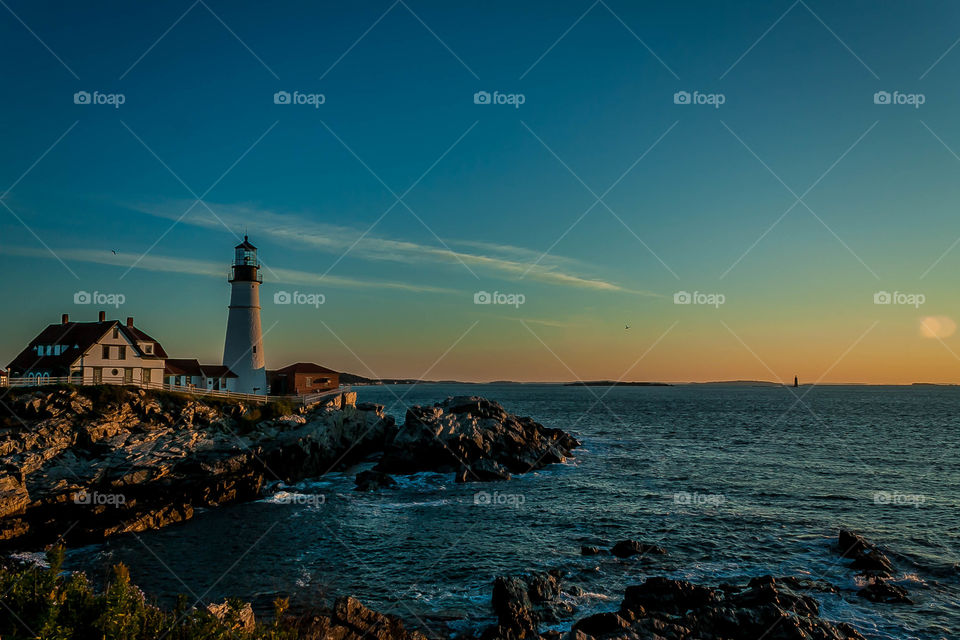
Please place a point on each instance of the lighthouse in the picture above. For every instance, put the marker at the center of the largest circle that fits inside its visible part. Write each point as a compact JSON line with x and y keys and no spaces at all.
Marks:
{"x":243,"y":349}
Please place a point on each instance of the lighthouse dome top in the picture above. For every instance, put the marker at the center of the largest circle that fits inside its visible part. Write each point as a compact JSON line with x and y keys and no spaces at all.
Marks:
{"x":246,"y":245}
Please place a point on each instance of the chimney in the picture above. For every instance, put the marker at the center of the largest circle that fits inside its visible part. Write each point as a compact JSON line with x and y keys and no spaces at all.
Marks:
{"x":103,"y":316}
{"x":64,"y":319}
{"x":129,"y":321}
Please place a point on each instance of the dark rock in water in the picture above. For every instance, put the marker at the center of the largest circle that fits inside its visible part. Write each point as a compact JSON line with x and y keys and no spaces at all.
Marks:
{"x":373,"y":480}
{"x":601,"y":624}
{"x":627,"y":548}
{"x":475,"y":438}
{"x":667,"y":596}
{"x":879,"y":590}
{"x":678,"y":610}
{"x":867,"y":557}
{"x":522,"y":603}
{"x":483,"y":471}
{"x":589,"y":551}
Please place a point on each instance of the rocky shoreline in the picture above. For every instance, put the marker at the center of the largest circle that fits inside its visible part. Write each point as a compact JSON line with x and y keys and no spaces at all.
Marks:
{"x":82,"y":464}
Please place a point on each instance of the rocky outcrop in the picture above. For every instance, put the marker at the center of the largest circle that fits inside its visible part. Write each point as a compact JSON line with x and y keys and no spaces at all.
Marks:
{"x":350,"y":620}
{"x":522,"y":603}
{"x":867,"y":557}
{"x":627,"y":548}
{"x":475,"y":438}
{"x":373,"y":480}
{"x":666,"y":609}
{"x":90,"y":462}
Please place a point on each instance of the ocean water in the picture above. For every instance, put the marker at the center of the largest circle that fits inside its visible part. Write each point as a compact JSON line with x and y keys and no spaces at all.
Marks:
{"x":734,"y":482}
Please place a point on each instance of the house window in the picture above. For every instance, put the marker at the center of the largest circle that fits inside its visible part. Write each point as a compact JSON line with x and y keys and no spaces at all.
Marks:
{"x":97,"y":375}
{"x":106,"y":352}
{"x":254,"y":348}
{"x":146,"y":375}
{"x":128,"y":374}
{"x":307,"y":382}
{"x":148,"y":348}
{"x":122,"y":351}
{"x":116,"y":332}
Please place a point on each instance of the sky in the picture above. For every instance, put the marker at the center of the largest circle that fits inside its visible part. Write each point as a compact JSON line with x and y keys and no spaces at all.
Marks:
{"x":495,"y":190}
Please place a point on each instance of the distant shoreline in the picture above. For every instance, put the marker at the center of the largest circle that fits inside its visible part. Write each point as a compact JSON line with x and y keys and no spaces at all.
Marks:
{"x":361,"y":381}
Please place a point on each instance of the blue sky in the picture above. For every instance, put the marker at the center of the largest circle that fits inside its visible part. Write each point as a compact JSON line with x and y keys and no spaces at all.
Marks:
{"x":499,"y":197}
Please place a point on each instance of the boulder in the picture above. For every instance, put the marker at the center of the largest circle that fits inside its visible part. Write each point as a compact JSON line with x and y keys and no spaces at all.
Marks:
{"x":879,"y":590}
{"x":474,"y":438}
{"x":589,"y":551}
{"x":373,"y":480}
{"x":627,"y":548}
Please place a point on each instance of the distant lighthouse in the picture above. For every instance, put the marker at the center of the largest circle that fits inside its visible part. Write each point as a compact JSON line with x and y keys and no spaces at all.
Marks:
{"x":243,"y":349}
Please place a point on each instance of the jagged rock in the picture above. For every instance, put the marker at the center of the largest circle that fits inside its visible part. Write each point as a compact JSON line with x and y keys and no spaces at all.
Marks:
{"x":627,"y":548}
{"x":235,"y":618}
{"x":602,"y":624}
{"x":475,"y":438}
{"x":353,"y":621}
{"x":373,"y":480}
{"x":867,"y":557}
{"x":667,"y":596}
{"x":879,"y":590}
{"x":164,"y":454}
{"x":589,"y":551}
{"x":521,"y":603}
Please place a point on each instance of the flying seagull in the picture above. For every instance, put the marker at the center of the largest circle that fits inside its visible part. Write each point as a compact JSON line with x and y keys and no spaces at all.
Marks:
{"x":114,"y":251}
{"x":626,"y":326}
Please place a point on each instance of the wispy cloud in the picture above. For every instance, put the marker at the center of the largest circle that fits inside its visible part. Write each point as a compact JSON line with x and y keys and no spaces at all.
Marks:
{"x":170,"y":264}
{"x":502,"y":260}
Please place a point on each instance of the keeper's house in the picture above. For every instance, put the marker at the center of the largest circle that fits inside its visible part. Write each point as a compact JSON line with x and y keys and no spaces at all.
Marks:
{"x":102,"y":352}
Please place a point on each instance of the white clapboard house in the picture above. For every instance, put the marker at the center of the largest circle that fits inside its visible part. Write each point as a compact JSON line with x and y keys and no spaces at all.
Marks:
{"x":102,"y":352}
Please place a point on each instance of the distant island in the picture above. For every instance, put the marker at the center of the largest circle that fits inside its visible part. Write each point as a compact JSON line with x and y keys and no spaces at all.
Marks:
{"x":614,"y":383}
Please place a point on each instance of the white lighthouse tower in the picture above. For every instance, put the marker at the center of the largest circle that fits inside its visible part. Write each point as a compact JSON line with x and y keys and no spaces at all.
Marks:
{"x":243,"y":349}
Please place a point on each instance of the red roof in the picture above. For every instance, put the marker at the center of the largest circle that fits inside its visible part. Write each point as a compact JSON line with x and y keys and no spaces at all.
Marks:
{"x":304,"y":367}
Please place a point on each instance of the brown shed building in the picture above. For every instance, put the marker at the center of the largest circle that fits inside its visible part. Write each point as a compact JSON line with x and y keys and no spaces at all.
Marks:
{"x":302,"y":378}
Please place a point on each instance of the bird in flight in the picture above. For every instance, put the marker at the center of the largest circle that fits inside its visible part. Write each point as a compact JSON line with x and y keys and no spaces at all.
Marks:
{"x":114,"y":251}
{"x":626,"y":326}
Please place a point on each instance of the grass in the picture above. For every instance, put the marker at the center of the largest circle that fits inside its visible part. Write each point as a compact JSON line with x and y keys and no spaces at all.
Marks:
{"x":48,"y":604}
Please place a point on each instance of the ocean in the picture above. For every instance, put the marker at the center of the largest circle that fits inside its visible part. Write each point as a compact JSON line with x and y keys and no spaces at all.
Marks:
{"x":734,"y":481}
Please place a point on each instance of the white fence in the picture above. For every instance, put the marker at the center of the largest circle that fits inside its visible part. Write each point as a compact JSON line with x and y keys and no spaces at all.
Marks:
{"x":304,"y":400}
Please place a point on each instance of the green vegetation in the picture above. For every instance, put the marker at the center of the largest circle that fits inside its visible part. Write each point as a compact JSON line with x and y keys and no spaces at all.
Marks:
{"x":48,"y":604}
